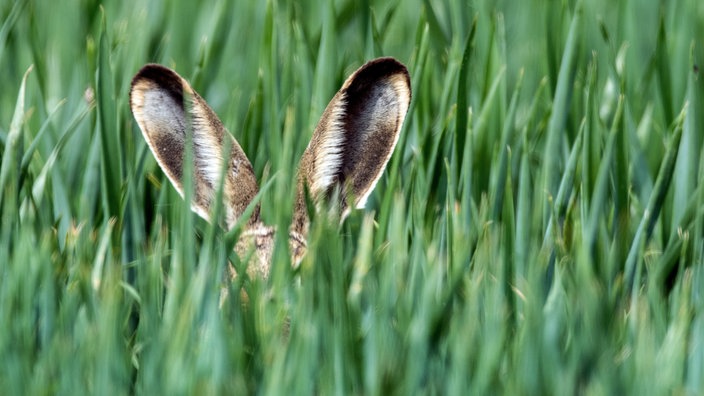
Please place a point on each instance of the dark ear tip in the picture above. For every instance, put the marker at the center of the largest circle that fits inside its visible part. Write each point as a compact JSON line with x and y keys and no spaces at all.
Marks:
{"x":388,"y":63}
{"x":159,"y":76}
{"x":376,"y":70}
{"x":154,"y":72}
{"x":383,"y":67}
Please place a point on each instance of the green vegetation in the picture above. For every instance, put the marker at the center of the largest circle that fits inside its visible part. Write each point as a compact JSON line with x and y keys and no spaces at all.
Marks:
{"x":539,"y":229}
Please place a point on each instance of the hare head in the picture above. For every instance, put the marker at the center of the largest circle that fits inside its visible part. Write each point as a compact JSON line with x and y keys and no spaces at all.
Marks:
{"x":347,"y":154}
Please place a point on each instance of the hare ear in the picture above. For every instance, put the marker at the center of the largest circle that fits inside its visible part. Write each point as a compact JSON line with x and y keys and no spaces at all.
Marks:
{"x":355,"y":137}
{"x":165,"y":107}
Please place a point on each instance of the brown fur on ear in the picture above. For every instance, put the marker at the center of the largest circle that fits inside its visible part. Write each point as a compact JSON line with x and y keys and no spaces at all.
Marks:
{"x":157,"y":101}
{"x":355,"y":137}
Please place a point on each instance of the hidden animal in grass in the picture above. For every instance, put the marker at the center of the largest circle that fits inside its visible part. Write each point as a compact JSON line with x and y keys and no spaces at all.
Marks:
{"x":347,"y":154}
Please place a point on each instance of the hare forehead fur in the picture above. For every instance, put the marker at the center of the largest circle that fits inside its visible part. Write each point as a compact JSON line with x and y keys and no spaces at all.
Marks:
{"x":258,"y":241}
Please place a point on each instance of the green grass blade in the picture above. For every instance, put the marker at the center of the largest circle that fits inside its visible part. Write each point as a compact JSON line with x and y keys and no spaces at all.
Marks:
{"x":9,"y":177}
{"x":601,"y":188}
{"x":111,"y":153}
{"x":499,"y":182}
{"x":462,"y":103}
{"x":558,"y":115}
{"x":655,"y":205}
{"x":9,"y":23}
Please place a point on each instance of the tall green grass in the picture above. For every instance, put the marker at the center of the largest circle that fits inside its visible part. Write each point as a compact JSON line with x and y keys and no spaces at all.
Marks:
{"x":538,"y":231}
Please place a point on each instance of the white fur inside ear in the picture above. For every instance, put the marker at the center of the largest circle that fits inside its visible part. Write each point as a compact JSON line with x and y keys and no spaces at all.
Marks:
{"x":207,"y":150}
{"x":329,"y":156}
{"x":155,"y":107}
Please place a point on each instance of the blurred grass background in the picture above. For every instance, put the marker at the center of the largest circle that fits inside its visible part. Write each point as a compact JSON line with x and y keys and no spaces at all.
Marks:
{"x":538,"y":231}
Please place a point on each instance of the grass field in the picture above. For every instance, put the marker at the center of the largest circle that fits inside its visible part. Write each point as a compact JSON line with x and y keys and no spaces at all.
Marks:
{"x":539,"y":229}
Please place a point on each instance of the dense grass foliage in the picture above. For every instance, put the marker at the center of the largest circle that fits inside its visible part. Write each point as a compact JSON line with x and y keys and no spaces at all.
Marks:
{"x":539,"y":229}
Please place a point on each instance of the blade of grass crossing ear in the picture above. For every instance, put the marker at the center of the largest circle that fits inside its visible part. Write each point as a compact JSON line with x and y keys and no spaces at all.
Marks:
{"x":233,"y":234}
{"x":217,"y":209}
{"x":185,"y":257}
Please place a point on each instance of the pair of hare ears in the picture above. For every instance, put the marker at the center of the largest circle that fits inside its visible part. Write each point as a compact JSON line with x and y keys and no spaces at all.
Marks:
{"x":349,"y":150}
